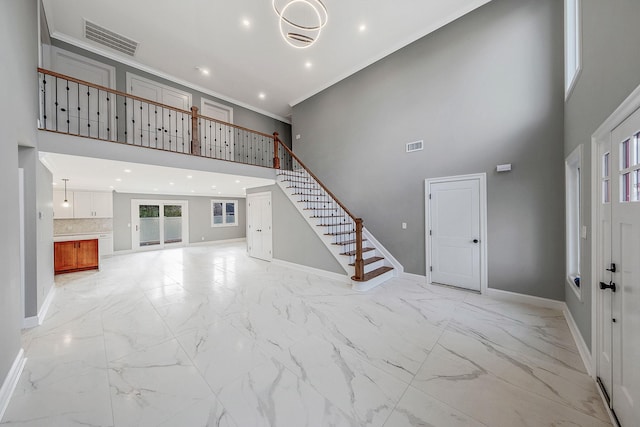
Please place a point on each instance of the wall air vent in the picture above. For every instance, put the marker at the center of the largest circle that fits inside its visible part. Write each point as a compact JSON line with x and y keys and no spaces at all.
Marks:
{"x":415,"y":146}
{"x":110,"y":39}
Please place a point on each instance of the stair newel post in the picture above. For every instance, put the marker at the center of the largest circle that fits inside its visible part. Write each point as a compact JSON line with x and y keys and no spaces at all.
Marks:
{"x":359,"y":264}
{"x":276,"y":157}
{"x":195,"y":134}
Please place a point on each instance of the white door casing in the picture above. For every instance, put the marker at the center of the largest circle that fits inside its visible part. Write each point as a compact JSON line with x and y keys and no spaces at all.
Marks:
{"x":456,"y":231}
{"x":217,"y":138}
{"x":259,"y":226}
{"x":136,"y":228}
{"x":149,"y":125}
{"x":615,"y":314}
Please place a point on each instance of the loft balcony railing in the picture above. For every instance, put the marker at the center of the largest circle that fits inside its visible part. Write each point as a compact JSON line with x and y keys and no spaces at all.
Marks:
{"x":75,"y":107}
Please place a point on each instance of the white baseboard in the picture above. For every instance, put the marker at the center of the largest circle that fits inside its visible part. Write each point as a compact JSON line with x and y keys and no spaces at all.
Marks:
{"x":499,"y":294}
{"x":218,"y":242}
{"x":33,"y":321}
{"x":583,"y":349}
{"x":416,"y":277}
{"x":11,"y":381}
{"x":322,"y":273}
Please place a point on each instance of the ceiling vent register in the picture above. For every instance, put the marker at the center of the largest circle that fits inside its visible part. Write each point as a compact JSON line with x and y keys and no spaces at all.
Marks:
{"x":415,"y":146}
{"x":109,"y":38}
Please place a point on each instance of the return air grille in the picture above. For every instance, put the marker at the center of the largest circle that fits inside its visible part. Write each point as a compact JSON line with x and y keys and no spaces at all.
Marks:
{"x":110,"y":39}
{"x":415,"y":146}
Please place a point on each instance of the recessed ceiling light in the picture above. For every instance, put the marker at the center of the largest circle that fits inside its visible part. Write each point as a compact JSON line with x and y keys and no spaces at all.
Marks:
{"x":189,"y":176}
{"x":111,"y":187}
{"x":193,"y":191}
{"x":203,"y":70}
{"x":171,"y":183}
{"x":246,"y":22}
{"x":308,"y":64}
{"x":127,"y":170}
{"x":262,"y":95}
{"x":237,"y":181}
{"x":244,"y":188}
{"x":219,"y":192}
{"x":118,"y":179}
{"x":213,"y":186}
{"x":54,"y":183}
{"x":362,"y":28}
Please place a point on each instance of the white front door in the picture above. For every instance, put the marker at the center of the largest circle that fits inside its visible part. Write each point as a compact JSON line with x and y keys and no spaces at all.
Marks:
{"x":454,"y":232}
{"x":156,"y":224}
{"x":604,"y":301}
{"x":259,"y":231}
{"x":155,"y":126}
{"x":216,"y":136}
{"x":625,"y":253}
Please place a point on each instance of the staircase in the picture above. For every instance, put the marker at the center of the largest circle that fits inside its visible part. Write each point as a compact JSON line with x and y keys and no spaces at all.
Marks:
{"x":336,"y":227}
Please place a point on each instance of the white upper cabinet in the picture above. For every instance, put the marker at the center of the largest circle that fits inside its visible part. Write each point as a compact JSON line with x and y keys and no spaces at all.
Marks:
{"x":83,"y":204}
{"x":59,"y":211}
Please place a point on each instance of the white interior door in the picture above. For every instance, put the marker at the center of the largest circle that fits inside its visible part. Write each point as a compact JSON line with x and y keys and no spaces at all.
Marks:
{"x":79,"y":109}
{"x":156,"y":224}
{"x":259,"y":225}
{"x":454,"y":233}
{"x":216,"y":137}
{"x":154,"y":126}
{"x":625,"y":253}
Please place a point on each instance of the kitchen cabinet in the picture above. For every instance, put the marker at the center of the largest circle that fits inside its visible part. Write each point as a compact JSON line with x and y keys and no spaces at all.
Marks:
{"x":59,"y":211}
{"x":83,"y":204}
{"x":75,"y":255}
{"x":90,"y":204}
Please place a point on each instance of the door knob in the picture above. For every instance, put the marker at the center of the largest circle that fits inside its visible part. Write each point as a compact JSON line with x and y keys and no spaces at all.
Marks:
{"x":613,"y":268}
{"x":611,"y":286}
{"x":475,"y":240}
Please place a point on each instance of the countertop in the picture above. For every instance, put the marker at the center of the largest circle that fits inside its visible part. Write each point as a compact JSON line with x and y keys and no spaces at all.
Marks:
{"x":82,"y":236}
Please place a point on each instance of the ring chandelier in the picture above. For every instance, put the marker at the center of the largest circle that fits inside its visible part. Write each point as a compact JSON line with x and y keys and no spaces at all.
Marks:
{"x":294,"y":28}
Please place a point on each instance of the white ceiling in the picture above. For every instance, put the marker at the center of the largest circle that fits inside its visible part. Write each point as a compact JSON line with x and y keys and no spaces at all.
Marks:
{"x":177,"y":36}
{"x":86,"y":173}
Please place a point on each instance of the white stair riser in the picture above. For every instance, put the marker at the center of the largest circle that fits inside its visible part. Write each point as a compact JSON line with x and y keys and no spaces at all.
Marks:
{"x":373,"y":266}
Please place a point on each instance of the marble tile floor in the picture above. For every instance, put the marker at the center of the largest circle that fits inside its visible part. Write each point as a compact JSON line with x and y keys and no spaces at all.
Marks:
{"x":206,"y":336}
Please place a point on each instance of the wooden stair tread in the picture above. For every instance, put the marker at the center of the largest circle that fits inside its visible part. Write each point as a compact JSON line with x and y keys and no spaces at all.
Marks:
{"x":327,"y":216}
{"x":334,"y":225}
{"x":373,"y":274}
{"x":369,"y":260}
{"x":320,"y":209}
{"x":352,"y":253}
{"x":339,"y":233}
{"x":347,"y":242}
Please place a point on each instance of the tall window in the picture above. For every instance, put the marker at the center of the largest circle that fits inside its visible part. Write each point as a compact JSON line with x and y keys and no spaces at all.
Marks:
{"x":573,"y":165}
{"x":224,"y":213}
{"x":572,"y":45}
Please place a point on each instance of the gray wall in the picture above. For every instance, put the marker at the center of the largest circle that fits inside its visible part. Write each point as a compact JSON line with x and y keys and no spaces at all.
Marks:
{"x":18,"y":114}
{"x":610,"y":64}
{"x":484,"y":90}
{"x":241,"y":116}
{"x":293,"y":239}
{"x":38,"y":221}
{"x":199,"y":219}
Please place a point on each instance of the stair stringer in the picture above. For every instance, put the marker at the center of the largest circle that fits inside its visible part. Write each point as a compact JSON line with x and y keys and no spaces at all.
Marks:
{"x":327,"y":240}
{"x":336,"y":250}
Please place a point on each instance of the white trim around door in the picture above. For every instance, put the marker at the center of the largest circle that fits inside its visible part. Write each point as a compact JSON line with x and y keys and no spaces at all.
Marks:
{"x":482,"y":181}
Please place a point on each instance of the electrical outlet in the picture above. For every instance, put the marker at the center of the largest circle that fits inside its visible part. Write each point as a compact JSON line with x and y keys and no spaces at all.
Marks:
{"x":404,"y":225}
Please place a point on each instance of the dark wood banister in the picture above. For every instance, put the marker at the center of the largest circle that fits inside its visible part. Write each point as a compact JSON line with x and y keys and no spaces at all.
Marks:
{"x":359,"y":262}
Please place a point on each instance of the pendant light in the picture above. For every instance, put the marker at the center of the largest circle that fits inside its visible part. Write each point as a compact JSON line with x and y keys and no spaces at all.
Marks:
{"x":65,"y":204}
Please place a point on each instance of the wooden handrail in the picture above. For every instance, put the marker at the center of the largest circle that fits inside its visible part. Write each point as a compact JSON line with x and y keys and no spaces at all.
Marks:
{"x":235,"y":126}
{"x":324,"y":187}
{"x":113,"y":91}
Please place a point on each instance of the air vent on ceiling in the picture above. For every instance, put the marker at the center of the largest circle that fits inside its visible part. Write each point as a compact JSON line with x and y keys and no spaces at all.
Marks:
{"x":415,"y":146}
{"x":110,"y":39}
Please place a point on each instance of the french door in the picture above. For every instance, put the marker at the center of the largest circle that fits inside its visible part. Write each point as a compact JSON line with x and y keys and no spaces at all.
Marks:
{"x":618,"y":298}
{"x":159,"y":224}
{"x":259,"y":233}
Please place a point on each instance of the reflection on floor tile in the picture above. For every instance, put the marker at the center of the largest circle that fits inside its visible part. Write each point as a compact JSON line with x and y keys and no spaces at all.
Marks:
{"x":206,"y":336}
